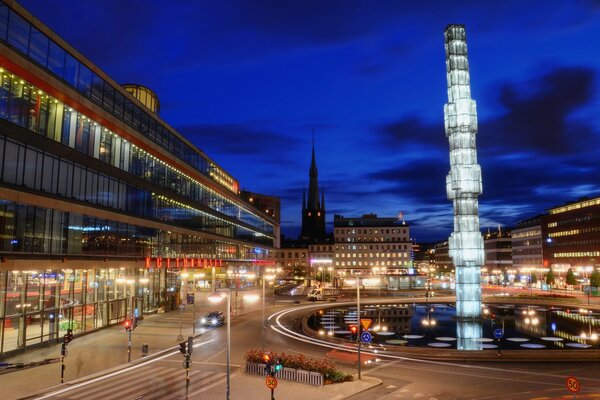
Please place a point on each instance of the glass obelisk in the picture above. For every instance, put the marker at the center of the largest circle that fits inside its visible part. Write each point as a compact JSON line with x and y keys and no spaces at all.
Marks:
{"x":463,"y":183}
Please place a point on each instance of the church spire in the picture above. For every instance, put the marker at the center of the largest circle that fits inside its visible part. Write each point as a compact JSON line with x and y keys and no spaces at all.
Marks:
{"x":313,"y":185}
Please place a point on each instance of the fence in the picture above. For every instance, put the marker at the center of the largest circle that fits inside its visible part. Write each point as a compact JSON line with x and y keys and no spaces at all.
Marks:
{"x":288,"y":374}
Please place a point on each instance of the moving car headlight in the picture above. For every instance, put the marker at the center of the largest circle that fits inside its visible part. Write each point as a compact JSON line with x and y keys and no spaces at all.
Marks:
{"x":214,"y":321}
{"x":203,"y":321}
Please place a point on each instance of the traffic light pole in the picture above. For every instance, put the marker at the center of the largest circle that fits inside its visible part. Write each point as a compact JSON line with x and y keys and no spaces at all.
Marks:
{"x":62,"y":369}
{"x":272,"y":394}
{"x":129,"y":345}
{"x":187,"y":374}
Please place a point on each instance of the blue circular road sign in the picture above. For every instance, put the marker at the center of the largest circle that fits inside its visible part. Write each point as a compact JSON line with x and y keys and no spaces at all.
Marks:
{"x":498,"y":333}
{"x":366,"y":337}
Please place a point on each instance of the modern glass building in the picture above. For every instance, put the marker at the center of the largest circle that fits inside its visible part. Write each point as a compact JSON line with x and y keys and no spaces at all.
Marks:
{"x":102,"y":203}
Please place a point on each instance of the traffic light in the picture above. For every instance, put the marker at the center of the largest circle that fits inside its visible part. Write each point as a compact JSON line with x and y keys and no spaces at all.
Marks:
{"x":354,"y":331}
{"x":135,"y":322}
{"x":278,"y":365}
{"x":69,"y":336}
{"x":63,"y":350}
{"x":183,"y":347}
{"x":267,"y":360}
{"x":127,"y":325}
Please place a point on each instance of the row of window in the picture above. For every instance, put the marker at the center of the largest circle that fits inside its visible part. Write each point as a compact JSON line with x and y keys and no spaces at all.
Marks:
{"x":39,"y":306}
{"x":587,"y":242}
{"x":26,"y":166}
{"x":575,"y":254}
{"x":372,"y":263}
{"x":35,"y":45}
{"x":30,"y":229}
{"x":404,"y":231}
{"x":574,"y":232}
{"x":371,"y":239}
{"x":528,"y":233}
{"x":373,"y":247}
{"x":577,"y":220}
{"x":25,"y":105}
{"x":371,"y":255}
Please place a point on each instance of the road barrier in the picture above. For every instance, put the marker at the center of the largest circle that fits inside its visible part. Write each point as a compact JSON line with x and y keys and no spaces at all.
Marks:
{"x":288,"y":374}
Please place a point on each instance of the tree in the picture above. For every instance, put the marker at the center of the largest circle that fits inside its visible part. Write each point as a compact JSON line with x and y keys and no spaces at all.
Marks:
{"x":550,"y":277}
{"x":571,"y":277}
{"x":595,"y":278}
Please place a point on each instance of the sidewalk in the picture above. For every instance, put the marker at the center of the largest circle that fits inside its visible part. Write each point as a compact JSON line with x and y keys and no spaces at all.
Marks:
{"x":245,"y":386}
{"x":107,"y":348}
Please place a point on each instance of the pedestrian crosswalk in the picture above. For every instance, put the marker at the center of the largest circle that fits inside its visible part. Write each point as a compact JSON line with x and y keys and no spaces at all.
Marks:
{"x":146,"y":383}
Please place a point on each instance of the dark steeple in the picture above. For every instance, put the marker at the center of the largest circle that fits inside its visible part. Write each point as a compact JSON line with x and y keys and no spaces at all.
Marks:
{"x":313,"y":211}
{"x":313,"y":185}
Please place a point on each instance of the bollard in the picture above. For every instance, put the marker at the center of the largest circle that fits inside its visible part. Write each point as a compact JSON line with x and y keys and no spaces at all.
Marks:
{"x":144,"y":350}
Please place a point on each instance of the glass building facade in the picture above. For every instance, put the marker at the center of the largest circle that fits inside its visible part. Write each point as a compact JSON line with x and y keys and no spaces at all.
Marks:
{"x":96,"y":190}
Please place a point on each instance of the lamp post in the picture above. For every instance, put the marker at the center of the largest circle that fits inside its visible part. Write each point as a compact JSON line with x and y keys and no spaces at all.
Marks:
{"x":359,"y":330}
{"x":216,"y":298}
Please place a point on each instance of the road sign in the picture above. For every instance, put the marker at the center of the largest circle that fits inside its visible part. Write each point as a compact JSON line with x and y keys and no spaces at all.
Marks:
{"x":271,"y":382}
{"x":366,"y":337}
{"x":573,"y":384}
{"x":498,"y":333}
{"x":366,"y":323}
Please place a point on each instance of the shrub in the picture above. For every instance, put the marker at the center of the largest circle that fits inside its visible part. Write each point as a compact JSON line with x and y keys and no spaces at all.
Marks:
{"x":323,"y":366}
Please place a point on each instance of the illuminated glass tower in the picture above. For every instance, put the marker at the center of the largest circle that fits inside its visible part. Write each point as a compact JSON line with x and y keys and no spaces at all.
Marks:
{"x":463,"y":183}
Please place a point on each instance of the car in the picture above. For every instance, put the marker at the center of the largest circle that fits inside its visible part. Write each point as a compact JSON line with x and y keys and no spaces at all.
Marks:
{"x":213,"y":319}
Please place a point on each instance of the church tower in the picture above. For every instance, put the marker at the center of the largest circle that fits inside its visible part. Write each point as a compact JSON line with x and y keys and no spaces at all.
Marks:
{"x":313,"y":210}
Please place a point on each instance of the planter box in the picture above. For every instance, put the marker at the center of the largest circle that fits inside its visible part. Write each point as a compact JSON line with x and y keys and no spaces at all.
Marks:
{"x":288,"y":374}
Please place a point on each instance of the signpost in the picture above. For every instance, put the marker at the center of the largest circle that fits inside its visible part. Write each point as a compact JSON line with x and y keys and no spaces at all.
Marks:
{"x":366,"y":323}
{"x":271,"y":383}
{"x":366,"y":337}
{"x":573,"y":386}
{"x":498,"y":333}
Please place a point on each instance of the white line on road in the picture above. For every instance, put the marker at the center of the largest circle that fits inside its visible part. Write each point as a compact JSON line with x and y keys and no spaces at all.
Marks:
{"x":122,"y":371}
{"x":281,"y":329}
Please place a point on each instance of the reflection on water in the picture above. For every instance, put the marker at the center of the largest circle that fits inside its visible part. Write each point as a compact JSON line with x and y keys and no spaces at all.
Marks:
{"x":436,"y":325}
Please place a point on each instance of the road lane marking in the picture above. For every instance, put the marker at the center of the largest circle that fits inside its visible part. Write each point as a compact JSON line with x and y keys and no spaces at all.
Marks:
{"x":116,"y":373}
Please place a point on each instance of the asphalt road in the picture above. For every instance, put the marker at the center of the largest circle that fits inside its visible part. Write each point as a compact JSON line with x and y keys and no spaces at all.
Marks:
{"x":402,"y":379}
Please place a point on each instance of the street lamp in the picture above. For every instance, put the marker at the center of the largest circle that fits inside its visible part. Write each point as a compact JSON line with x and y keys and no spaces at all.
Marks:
{"x":216,"y":297}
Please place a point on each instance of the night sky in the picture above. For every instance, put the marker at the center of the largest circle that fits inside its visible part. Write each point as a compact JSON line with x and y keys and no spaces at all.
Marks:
{"x":248,"y":81}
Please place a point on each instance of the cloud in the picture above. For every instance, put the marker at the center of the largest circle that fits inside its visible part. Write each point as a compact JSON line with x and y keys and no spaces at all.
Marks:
{"x":538,"y":114}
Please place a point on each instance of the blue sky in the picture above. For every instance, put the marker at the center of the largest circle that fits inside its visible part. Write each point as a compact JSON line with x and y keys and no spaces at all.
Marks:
{"x":247,"y":82}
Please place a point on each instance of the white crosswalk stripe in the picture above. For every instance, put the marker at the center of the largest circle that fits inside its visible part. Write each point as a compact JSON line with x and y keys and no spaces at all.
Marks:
{"x":149,"y":383}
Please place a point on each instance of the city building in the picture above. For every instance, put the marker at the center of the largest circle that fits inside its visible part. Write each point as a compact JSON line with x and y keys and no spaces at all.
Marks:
{"x":270,"y":205}
{"x":102,"y":203}
{"x":498,"y":252}
{"x":373,"y":246}
{"x":293,"y":258}
{"x":442,"y":259}
{"x":526,"y":242}
{"x":313,"y":211}
{"x":571,"y":237}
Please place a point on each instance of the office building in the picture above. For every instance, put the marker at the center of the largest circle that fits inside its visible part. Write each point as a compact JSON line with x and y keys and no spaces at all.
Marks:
{"x":571,"y":237}
{"x":102,"y":203}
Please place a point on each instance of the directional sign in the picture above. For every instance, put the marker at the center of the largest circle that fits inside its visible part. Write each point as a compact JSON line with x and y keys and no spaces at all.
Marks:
{"x":366,"y":337}
{"x":271,"y":382}
{"x":573,"y":384}
{"x":366,"y":323}
{"x":498,"y":333}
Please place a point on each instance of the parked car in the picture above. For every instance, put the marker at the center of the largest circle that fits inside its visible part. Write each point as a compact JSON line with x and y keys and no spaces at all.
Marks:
{"x":213,"y":319}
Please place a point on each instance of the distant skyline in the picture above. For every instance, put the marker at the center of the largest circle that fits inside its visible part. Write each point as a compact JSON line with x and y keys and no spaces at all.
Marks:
{"x":247,"y":82}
